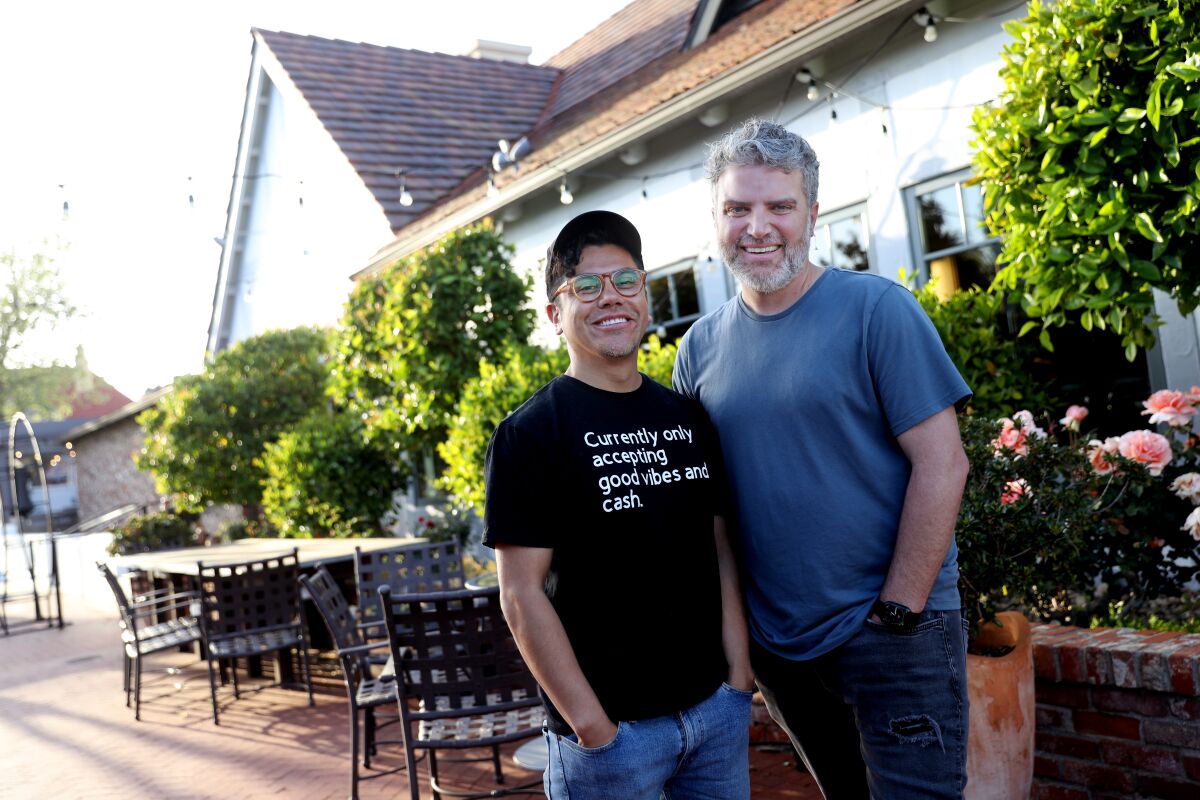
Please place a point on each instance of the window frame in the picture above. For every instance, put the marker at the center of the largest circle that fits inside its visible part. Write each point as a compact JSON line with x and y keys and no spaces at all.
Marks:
{"x":912,"y":207}
{"x":659,"y":326}
{"x":840,"y":214}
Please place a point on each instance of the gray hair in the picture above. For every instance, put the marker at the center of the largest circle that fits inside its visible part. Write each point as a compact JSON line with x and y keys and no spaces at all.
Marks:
{"x":758,"y":141}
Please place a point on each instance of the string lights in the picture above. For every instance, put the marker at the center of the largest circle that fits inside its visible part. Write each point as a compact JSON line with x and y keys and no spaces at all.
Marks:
{"x":406,"y":199}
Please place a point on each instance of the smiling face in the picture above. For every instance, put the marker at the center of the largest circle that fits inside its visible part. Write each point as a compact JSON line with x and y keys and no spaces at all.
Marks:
{"x":764,"y":225}
{"x":604,"y":334}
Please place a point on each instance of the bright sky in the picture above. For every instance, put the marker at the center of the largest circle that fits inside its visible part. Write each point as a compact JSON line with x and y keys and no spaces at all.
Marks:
{"x":121,"y":102}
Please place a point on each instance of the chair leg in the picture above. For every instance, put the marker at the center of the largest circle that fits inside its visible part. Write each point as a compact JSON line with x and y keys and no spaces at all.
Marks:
{"x":137,"y":689}
{"x":354,"y":751}
{"x":410,"y":765}
{"x":127,"y":669}
{"x":369,"y":738}
{"x":237,"y":695}
{"x":212,"y":685}
{"x":307,"y":668}
{"x":496,"y":763}
{"x":433,"y":776}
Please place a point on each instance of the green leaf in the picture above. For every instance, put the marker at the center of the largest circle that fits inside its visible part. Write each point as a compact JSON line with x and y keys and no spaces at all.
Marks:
{"x":1130,"y":351}
{"x":1183,"y":70}
{"x":1131,"y":114}
{"x":1174,"y":108}
{"x":1145,"y":226}
{"x":1098,"y":136}
{"x":1146,"y":270}
{"x":1154,"y":105}
{"x":1027,"y":327}
{"x":1044,"y":338}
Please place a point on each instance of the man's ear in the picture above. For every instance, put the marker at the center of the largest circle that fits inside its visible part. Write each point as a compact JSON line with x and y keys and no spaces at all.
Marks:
{"x":552,"y":314}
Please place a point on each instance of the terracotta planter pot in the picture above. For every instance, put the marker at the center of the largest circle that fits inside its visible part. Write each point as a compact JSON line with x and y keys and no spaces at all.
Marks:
{"x":1000,"y":745}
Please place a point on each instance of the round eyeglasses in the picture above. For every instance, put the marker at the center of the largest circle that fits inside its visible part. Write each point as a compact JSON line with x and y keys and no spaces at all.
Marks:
{"x":588,"y":287}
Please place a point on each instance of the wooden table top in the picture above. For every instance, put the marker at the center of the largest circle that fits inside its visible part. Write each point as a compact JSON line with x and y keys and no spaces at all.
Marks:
{"x":311,"y":553}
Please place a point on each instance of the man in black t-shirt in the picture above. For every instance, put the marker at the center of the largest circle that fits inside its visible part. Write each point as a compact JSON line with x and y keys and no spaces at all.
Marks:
{"x":604,"y":500}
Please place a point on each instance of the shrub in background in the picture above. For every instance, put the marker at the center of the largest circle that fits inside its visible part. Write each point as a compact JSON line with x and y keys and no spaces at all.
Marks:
{"x":161,"y":530}
{"x":204,"y":440}
{"x":324,"y":479}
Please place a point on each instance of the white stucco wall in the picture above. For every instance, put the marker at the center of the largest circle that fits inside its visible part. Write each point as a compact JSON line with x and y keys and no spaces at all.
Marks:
{"x":924,"y":93}
{"x":296,"y":259}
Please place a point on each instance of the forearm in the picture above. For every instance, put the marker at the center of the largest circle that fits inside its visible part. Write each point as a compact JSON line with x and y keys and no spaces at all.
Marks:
{"x":935,"y":486}
{"x":734,"y":634}
{"x":545,"y":647}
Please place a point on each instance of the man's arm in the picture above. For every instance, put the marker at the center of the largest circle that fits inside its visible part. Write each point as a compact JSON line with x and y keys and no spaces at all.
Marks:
{"x":734,"y":636}
{"x":543,"y":642}
{"x":939,"y":473}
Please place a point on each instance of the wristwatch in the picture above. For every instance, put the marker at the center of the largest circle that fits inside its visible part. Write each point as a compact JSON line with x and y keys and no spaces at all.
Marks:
{"x":895,"y":615}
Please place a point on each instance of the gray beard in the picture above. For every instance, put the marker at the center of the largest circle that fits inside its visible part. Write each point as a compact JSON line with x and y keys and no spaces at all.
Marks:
{"x":795,"y":256}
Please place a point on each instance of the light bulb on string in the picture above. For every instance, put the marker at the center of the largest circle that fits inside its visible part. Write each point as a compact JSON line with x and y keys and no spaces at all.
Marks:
{"x":191,"y":195}
{"x":406,"y":199}
{"x":805,"y":77}
{"x":564,"y":194}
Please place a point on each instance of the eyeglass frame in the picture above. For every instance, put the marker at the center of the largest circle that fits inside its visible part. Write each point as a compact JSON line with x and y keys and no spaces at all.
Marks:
{"x":570,"y":281}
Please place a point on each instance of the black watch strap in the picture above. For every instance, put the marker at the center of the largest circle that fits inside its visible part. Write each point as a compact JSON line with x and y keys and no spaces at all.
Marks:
{"x":895,"y":615}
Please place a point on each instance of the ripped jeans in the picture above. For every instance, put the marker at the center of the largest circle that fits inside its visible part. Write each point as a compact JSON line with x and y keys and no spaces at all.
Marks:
{"x":883,"y":716}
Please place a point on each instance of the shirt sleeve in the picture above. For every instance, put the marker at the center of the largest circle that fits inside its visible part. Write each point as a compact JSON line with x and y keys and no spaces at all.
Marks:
{"x":681,"y":374}
{"x":519,"y":493}
{"x":914,"y":377}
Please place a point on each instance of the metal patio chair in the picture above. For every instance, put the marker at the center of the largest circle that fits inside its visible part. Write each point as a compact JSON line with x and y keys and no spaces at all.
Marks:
{"x":461,"y":682}
{"x":150,"y":623}
{"x":407,"y":569}
{"x":252,"y":609}
{"x":364,"y":691}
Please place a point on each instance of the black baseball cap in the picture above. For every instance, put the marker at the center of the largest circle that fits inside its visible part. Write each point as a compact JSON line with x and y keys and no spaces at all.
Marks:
{"x":617,"y":230}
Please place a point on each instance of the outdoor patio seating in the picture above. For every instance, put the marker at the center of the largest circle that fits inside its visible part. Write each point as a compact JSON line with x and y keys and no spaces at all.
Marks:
{"x":461,"y":682}
{"x":364,"y":692}
{"x":408,"y":569}
{"x":150,"y":623}
{"x":252,"y":609}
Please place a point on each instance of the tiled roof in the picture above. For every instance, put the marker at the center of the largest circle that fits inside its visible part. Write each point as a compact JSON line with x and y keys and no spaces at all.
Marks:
{"x":436,"y":116}
{"x":762,"y":27}
{"x":638,"y":34}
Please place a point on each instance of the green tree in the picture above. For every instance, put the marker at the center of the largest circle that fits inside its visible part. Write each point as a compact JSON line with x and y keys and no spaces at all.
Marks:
{"x":498,"y":390}
{"x":33,"y":302}
{"x":324,"y":479}
{"x":1090,"y":162}
{"x":204,"y":440}
{"x":414,"y":335}
{"x":973,"y":327}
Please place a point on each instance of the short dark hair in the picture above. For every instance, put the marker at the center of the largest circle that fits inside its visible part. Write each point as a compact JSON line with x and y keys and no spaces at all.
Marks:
{"x":591,"y":229}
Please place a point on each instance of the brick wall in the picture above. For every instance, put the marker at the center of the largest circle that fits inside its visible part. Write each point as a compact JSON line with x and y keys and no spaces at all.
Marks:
{"x":106,"y":474}
{"x":1118,"y":714}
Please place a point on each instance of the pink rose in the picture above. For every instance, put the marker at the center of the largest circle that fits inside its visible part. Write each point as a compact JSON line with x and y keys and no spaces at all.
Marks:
{"x":1193,"y":395}
{"x":1012,"y":437}
{"x":1192,"y":525}
{"x":1146,"y":447}
{"x":1173,"y":408}
{"x":1101,"y":455}
{"x":1075,"y":415}
{"x":1187,"y":487}
{"x":1028,"y":425}
{"x":1014,"y":491}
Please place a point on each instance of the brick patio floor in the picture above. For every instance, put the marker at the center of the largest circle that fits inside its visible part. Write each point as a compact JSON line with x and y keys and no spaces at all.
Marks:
{"x":65,"y":731}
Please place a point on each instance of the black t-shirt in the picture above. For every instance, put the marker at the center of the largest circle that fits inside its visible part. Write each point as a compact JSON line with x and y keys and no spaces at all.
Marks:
{"x":623,"y":487}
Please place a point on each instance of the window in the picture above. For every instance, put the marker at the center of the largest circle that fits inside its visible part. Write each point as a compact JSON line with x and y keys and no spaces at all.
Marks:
{"x":954,"y":246}
{"x":840,"y":239}
{"x":674,"y":300}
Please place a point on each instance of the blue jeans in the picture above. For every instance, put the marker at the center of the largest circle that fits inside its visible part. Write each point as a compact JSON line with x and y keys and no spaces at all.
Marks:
{"x":883,"y":716}
{"x":701,"y":753}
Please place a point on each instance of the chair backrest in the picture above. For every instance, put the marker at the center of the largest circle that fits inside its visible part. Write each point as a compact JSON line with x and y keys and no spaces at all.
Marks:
{"x":127,"y":617}
{"x":455,"y":653}
{"x":327,"y":596}
{"x":250,"y":596}
{"x":408,"y":569}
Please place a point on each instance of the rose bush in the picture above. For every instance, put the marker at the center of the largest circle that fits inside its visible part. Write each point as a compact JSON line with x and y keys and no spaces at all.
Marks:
{"x":1052,"y":522}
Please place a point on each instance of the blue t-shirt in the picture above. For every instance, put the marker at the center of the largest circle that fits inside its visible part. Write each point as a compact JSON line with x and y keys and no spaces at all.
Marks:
{"x":808,"y":404}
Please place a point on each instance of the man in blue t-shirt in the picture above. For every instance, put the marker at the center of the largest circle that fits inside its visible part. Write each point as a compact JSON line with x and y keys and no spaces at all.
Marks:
{"x":605,"y":503}
{"x":834,"y":401}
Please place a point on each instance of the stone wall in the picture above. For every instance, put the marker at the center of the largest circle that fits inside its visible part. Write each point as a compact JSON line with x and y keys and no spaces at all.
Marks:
{"x":107,"y":477}
{"x":1118,"y":714}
